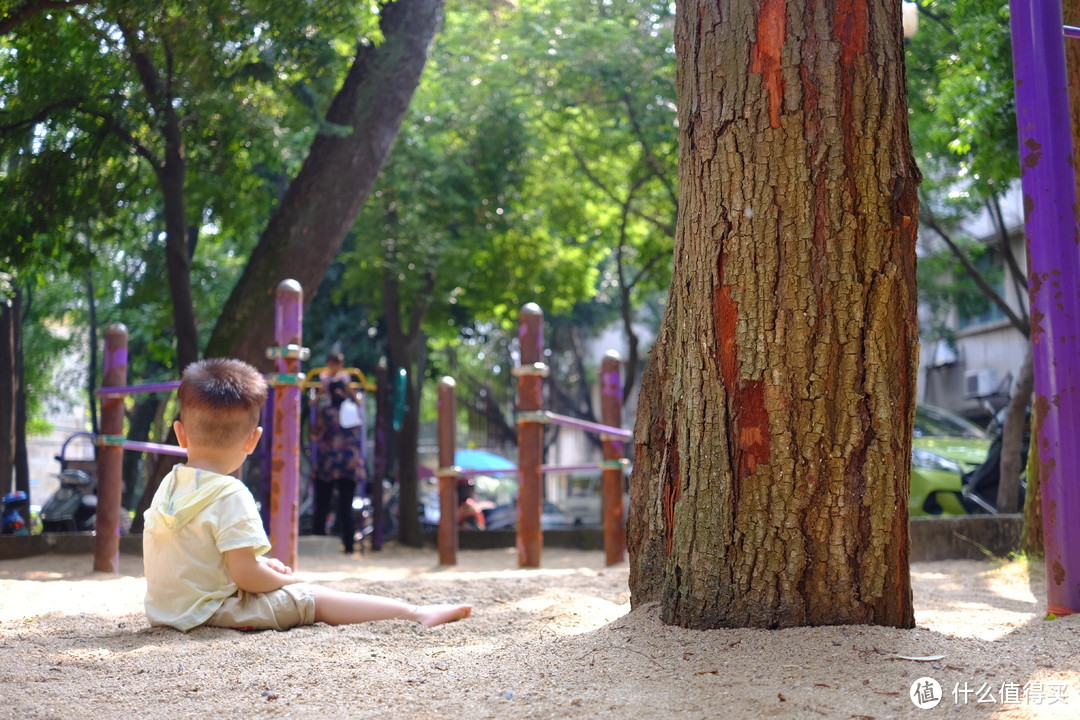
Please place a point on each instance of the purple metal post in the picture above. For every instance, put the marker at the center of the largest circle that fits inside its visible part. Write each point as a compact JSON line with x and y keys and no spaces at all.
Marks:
{"x":285,"y":453}
{"x":110,"y":457}
{"x":447,"y":436}
{"x":1042,"y":116}
{"x":611,"y":413}
{"x":530,"y":374}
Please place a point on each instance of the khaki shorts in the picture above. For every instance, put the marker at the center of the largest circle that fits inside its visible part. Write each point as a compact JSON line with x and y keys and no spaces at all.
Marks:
{"x":280,"y":609}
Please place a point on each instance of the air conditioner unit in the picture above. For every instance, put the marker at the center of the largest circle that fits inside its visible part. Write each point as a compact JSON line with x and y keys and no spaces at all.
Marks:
{"x":980,"y":383}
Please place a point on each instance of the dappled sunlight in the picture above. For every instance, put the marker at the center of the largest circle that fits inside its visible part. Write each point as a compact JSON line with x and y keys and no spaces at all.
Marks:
{"x":959,"y":597}
{"x":571,"y":613}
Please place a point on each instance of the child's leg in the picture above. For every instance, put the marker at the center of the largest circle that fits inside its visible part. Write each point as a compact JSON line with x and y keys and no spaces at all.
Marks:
{"x":335,"y":607}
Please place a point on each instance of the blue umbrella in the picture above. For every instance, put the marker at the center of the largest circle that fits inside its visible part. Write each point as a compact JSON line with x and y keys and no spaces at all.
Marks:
{"x":482,"y":460}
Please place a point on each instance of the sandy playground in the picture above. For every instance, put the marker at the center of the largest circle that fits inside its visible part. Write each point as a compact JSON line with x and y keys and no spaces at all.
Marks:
{"x":559,"y":642}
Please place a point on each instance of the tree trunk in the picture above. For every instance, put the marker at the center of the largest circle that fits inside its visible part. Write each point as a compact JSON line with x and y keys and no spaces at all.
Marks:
{"x":178,"y":260}
{"x":772,"y":466}
{"x":171,"y":169}
{"x":22,"y":454}
{"x":321,"y":204}
{"x":10,"y":325}
{"x":1031,"y":541}
{"x":1012,"y":437}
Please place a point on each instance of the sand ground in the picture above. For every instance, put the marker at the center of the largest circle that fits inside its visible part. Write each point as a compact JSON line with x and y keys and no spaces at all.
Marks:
{"x":559,"y":642}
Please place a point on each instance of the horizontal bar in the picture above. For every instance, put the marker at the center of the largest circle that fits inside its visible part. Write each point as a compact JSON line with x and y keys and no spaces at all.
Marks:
{"x":571,"y":468}
{"x":1071,"y":31}
{"x":135,"y":389}
{"x":150,"y":447}
{"x":467,"y":472}
{"x":588,"y":426}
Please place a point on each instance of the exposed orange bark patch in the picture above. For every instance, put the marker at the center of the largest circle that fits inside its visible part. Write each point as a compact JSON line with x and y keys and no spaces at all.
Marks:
{"x":750,"y":427}
{"x":851,"y":25}
{"x":725,"y":312}
{"x":753,"y":422}
{"x":765,"y":54}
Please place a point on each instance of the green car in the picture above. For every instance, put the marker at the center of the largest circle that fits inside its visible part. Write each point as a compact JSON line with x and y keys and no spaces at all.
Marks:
{"x":944,"y":447}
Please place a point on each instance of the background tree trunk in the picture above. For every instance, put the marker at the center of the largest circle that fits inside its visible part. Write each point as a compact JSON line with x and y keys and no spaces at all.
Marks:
{"x":323,"y":200}
{"x":772,"y":466}
{"x":9,"y":390}
{"x":1012,"y":437}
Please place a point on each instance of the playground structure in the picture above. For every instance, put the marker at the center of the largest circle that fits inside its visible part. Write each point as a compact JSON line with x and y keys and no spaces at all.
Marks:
{"x":530,"y":421}
{"x":1053,"y":241}
{"x":283,"y":410}
{"x":1049,"y":187}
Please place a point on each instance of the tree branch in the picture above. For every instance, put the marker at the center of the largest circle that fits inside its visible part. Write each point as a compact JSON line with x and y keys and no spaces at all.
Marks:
{"x":668,"y":230}
{"x":650,"y":158}
{"x":929,"y":221}
{"x":1018,"y":277}
{"x":17,"y":16}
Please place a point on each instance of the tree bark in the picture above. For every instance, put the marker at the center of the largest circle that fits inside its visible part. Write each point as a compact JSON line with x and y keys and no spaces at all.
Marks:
{"x":322,"y":202}
{"x":10,"y":325}
{"x":1012,"y":437}
{"x":171,"y":172}
{"x":22,"y":454}
{"x":405,"y":349}
{"x":773,"y":436}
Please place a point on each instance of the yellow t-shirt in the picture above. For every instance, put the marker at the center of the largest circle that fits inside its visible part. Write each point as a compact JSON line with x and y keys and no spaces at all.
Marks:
{"x":195,"y":518}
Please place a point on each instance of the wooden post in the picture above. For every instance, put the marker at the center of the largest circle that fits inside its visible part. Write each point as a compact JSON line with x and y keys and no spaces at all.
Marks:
{"x":285,"y":452}
{"x":530,"y":374}
{"x":110,"y":456}
{"x":382,"y":452}
{"x":611,"y":414}
{"x":447,"y":472}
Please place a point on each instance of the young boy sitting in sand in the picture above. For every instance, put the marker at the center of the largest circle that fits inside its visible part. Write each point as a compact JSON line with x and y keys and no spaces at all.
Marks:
{"x":203,"y":541}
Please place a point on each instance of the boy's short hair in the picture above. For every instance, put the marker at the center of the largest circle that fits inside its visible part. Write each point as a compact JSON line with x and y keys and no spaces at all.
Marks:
{"x":335,"y":356}
{"x":220,"y":401}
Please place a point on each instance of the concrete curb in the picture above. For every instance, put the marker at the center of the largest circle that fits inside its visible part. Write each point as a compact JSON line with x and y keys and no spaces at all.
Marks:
{"x":971,"y":537}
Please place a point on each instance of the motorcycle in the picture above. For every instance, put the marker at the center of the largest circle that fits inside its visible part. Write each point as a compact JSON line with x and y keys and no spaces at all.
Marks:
{"x":73,"y":507}
{"x":13,"y":505}
{"x":980,"y":492}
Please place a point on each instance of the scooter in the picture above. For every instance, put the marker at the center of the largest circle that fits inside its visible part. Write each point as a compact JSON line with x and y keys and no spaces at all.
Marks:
{"x":980,"y":491}
{"x":13,"y":504}
{"x":73,"y":507}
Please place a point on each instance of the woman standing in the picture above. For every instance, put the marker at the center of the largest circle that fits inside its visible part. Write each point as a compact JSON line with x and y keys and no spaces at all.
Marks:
{"x":340,"y":466}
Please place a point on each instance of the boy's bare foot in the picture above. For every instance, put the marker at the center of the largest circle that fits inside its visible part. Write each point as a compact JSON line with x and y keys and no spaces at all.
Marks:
{"x":432,"y":615}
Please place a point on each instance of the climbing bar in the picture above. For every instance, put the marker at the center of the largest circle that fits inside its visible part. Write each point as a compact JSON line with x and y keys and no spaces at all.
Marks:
{"x":536,"y":369}
{"x":587,"y":426}
{"x":150,"y":447}
{"x":605,"y":465}
{"x":469,"y":472}
{"x":118,"y":390}
{"x":1071,"y":31}
{"x":290,"y":352}
{"x":121,"y":441}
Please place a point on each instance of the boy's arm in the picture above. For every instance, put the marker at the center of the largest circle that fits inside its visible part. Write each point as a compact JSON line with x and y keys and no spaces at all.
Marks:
{"x":251,"y":575}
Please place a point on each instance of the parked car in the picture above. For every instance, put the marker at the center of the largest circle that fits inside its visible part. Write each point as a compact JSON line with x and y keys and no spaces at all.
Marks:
{"x":945,"y":446}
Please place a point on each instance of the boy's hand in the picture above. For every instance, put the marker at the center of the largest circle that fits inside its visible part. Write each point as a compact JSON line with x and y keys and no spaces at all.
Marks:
{"x":275,"y":564}
{"x":257,"y":575}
